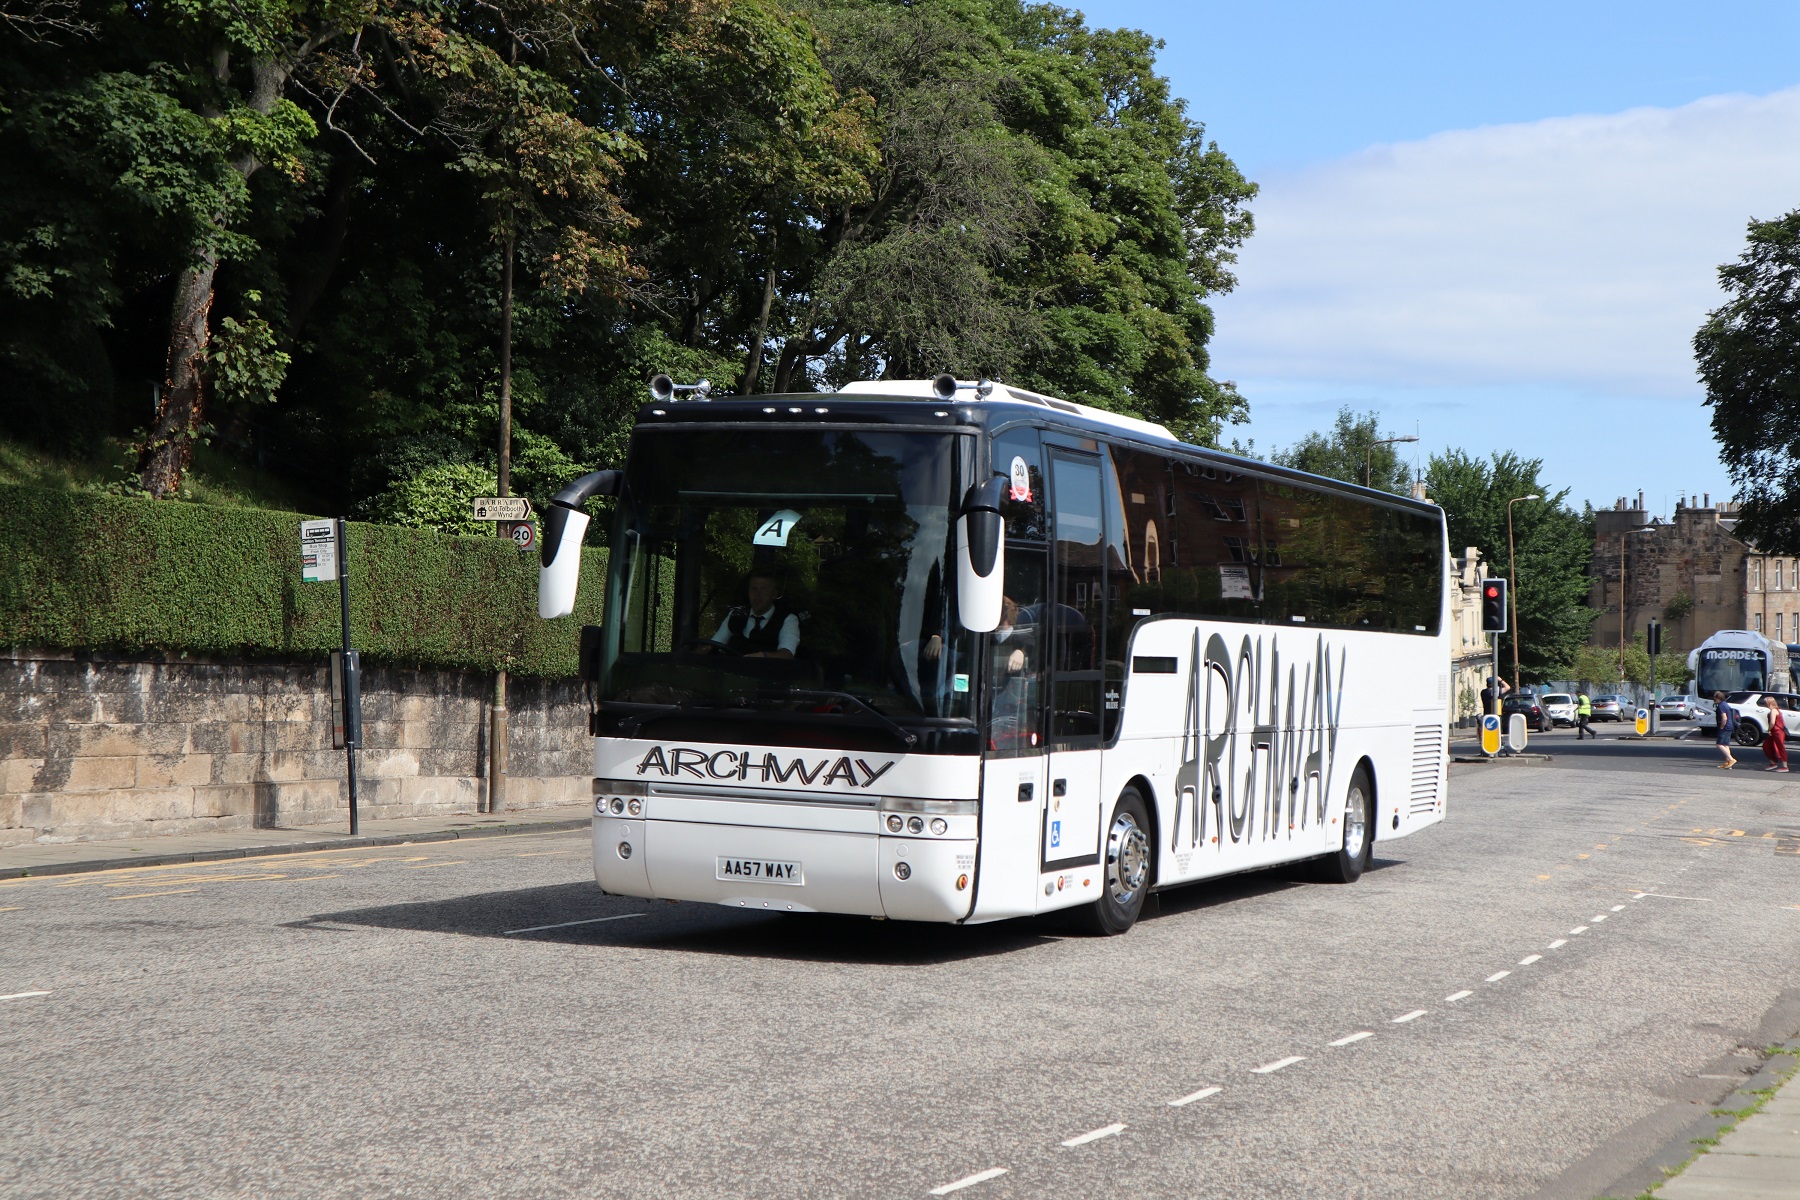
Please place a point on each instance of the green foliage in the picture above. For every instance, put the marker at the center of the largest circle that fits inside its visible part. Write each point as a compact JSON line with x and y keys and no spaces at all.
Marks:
{"x":245,"y":362}
{"x":1678,"y":607}
{"x":1349,"y":452}
{"x":91,"y":572}
{"x":1749,"y":358}
{"x":1551,"y":548}
{"x":436,"y":497}
{"x":1599,"y":666}
{"x":796,"y":192}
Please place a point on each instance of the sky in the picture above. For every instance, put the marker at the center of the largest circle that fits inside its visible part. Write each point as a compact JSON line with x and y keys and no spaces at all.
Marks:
{"x":1498,"y":227}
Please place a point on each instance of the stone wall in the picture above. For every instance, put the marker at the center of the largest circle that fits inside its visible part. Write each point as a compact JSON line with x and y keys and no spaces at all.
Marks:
{"x":100,"y":747}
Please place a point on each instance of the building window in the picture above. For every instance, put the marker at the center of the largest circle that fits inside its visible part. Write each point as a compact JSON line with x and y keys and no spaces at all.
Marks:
{"x":1778,"y":627}
{"x":1756,"y":574}
{"x":1758,"y":622}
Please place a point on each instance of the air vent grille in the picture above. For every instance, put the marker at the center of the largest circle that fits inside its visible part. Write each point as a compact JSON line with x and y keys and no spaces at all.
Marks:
{"x":1427,"y":768}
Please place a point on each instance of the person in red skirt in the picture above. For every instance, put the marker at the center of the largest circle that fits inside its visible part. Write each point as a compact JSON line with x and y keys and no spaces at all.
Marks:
{"x":1775,"y":741}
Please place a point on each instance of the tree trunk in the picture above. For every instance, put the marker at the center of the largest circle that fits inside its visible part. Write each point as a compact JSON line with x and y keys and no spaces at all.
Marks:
{"x":753,"y":362}
{"x":163,"y":457}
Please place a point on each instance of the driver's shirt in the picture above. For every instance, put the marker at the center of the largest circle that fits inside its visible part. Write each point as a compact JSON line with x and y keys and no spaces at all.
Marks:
{"x":788,"y":639}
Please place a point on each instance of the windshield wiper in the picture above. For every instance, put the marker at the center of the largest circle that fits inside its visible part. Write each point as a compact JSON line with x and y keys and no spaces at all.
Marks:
{"x":892,"y":726}
{"x":681,"y":708}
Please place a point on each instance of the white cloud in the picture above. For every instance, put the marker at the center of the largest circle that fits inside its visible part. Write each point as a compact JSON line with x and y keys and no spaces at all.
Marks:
{"x":1575,"y":252}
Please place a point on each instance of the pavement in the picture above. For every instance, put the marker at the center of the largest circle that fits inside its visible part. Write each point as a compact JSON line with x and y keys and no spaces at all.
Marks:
{"x":477,"y":1011}
{"x":66,"y":858}
{"x":1759,"y":1157}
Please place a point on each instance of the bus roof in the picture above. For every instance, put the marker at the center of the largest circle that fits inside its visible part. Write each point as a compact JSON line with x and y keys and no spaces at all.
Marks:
{"x":913,"y":402}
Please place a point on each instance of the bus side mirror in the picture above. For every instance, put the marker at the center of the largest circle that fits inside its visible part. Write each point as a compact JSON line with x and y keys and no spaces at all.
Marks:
{"x":980,"y":556}
{"x":564,"y":527}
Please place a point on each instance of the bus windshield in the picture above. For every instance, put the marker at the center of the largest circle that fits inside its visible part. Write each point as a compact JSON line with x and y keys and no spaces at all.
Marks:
{"x":1731,"y":670}
{"x":801,"y":571}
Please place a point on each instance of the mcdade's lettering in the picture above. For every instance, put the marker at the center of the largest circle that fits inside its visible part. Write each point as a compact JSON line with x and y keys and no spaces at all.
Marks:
{"x":744,"y":765}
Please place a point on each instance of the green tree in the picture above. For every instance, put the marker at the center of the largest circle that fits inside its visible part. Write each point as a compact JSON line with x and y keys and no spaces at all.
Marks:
{"x":1748,"y":352}
{"x":1552,"y":544}
{"x":1350,"y":452}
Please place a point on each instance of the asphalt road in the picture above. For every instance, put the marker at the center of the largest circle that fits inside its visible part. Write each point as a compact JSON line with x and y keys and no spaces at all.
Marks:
{"x":1524,"y":1001}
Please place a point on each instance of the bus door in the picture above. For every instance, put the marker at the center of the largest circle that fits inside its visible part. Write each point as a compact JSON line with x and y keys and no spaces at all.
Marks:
{"x":1073,"y":627}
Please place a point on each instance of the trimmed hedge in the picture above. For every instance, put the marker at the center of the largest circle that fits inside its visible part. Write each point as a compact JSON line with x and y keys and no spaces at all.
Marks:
{"x":82,"y":571}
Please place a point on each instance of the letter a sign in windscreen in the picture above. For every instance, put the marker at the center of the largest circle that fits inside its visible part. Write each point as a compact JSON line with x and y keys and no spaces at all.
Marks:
{"x":775,"y":530}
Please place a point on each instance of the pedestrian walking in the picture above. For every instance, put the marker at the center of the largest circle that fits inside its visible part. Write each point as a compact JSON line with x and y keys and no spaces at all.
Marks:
{"x":1775,"y":741}
{"x":1725,"y":718}
{"x":1584,"y":708}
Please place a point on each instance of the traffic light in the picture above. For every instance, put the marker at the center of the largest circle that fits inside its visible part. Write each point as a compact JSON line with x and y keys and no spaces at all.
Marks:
{"x":1493,"y":606}
{"x":1653,"y":638}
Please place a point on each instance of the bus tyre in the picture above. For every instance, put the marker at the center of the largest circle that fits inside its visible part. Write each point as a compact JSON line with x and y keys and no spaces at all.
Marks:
{"x":1747,"y":733}
{"x":1348,"y":864}
{"x":1124,"y":867}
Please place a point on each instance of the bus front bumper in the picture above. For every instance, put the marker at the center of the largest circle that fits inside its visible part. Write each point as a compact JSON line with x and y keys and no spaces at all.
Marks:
{"x":786,"y":870}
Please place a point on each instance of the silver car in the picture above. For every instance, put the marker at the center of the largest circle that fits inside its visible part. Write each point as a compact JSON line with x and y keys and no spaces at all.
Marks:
{"x":1684,"y":708}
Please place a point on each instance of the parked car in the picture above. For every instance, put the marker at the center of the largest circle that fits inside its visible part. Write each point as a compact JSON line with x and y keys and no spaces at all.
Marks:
{"x":1536,"y":718}
{"x":1752,"y":723}
{"x":1560,"y":706}
{"x":1607,"y":708}
{"x":1684,"y":708}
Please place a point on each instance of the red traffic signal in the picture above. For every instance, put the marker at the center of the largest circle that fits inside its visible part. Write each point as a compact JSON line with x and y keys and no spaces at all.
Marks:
{"x":1493,"y":606}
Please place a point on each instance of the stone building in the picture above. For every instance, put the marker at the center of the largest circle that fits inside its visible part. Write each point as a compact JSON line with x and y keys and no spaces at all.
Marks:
{"x":1471,"y":654}
{"x":1691,"y":572}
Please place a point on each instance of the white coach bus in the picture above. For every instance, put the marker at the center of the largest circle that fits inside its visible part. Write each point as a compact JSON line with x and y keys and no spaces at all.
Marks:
{"x":941,"y":651}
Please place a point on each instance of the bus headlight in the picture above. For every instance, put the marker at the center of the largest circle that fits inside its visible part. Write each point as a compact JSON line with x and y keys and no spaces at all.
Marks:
{"x":618,"y":805}
{"x":624,"y":849}
{"x":635,"y":807}
{"x":895,"y":823}
{"x":940,"y":826}
{"x":915,"y":825}
{"x":902,"y":871}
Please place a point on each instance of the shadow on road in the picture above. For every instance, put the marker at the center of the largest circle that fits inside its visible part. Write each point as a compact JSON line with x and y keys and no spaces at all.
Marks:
{"x":576,"y":914}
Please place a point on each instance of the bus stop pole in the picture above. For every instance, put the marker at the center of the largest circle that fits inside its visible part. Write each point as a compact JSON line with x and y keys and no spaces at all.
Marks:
{"x":352,"y":692}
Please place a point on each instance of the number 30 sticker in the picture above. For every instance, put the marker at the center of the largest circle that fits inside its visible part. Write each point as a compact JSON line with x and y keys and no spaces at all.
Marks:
{"x":775,"y":530}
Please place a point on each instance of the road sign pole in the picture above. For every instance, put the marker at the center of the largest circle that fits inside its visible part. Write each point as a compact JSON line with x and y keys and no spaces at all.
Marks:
{"x":352,"y":693}
{"x":1495,"y":688}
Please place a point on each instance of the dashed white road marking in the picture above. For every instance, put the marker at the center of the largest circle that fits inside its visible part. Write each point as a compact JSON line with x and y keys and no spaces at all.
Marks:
{"x":1278,"y":1064}
{"x":1453,"y":997}
{"x":1529,"y":959}
{"x":1202,"y":1094}
{"x":1496,"y":977}
{"x":566,"y":924}
{"x":1095,"y":1135}
{"x":1578,"y":930}
{"x":1595,"y":920}
{"x":970,"y":1181}
{"x":1667,"y":896}
{"x":1618,"y":908}
{"x":1559,"y":943}
{"x":1414,"y":1015}
{"x":23,"y":995}
{"x":1355,"y":1037}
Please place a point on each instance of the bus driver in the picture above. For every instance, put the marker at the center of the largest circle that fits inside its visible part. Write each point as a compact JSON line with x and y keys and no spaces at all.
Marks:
{"x":767,"y":628}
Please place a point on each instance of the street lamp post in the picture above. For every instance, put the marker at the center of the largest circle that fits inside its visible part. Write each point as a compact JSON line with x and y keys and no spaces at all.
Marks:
{"x":1512,"y":585}
{"x":1369,"y":458}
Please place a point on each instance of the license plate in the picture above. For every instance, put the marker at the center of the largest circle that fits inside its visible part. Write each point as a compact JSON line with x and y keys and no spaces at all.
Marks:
{"x":760,"y":870}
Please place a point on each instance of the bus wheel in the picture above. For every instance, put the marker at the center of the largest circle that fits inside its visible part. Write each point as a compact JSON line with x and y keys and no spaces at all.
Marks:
{"x":1747,"y":733}
{"x":1125,"y":868}
{"x":1348,"y":864}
